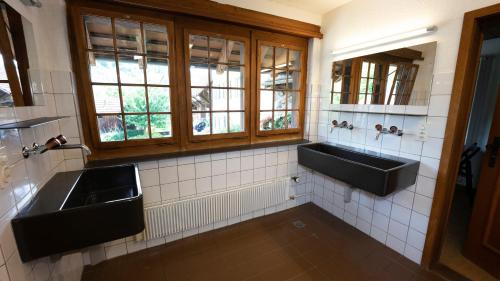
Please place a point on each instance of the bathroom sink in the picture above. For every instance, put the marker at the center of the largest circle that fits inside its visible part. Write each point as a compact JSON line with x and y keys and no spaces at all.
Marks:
{"x":373,"y":172}
{"x":79,"y":209}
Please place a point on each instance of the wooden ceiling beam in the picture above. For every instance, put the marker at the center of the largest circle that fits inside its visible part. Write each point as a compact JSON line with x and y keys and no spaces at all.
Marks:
{"x":213,"y":10}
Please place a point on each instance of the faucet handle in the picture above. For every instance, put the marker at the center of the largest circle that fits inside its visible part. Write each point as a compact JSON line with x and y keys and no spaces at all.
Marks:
{"x":378,"y":127}
{"x":62,"y":139}
{"x":52,"y":143}
{"x":393,"y":129}
{"x":335,"y":123}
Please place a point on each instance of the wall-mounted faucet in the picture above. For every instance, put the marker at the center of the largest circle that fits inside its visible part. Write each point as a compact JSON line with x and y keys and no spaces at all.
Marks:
{"x":392,"y":130}
{"x":58,"y":142}
{"x":342,"y":125}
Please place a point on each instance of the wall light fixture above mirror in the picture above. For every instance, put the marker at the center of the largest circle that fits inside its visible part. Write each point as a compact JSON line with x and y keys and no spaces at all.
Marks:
{"x":395,"y":77}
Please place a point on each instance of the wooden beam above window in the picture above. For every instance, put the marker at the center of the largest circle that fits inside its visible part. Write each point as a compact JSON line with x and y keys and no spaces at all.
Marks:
{"x":213,"y":10}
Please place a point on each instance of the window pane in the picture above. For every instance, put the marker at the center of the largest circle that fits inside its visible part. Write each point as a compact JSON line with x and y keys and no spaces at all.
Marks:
{"x":364,"y":69}
{"x":156,"y":40}
{"x":266,"y":100}
{"x":293,"y":119}
{"x":236,"y":122}
{"x":370,"y":86}
{"x":219,"y":100}
{"x":219,"y":123}
{"x":102,"y":67}
{"x":266,"y":56}
{"x":337,"y":85}
{"x":106,"y":99}
{"x":110,"y":128}
{"x":218,"y":50}
{"x":128,"y":36}
{"x":361,"y":99}
{"x":368,"y":99}
{"x":236,"y":52}
{"x":236,"y":100}
{"x":200,"y":99}
{"x":336,"y":99}
{"x":6,"y":95}
{"x":161,"y":125}
{"x":266,"y":120}
{"x":362,"y":85}
{"x":198,"y":46}
{"x":198,"y":74}
{"x":266,"y":79}
{"x":280,"y":78}
{"x":99,"y":33}
{"x":293,"y":100}
{"x":3,"y":73}
{"x":372,"y":69}
{"x":157,"y":71}
{"x":279,"y":120}
{"x":294,"y":60}
{"x":134,"y":99}
{"x":159,"y":99}
{"x":201,"y":123}
{"x":218,"y":75}
{"x":131,"y":69}
{"x":293,"y":80}
{"x":279,"y":100}
{"x":236,"y":77}
{"x":280,"y":57}
{"x":137,"y":126}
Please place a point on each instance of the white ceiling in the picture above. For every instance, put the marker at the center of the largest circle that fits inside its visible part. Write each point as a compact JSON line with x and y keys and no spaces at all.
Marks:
{"x":314,"y":6}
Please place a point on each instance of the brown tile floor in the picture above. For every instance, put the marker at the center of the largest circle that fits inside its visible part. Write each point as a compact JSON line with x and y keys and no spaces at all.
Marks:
{"x":269,"y":248}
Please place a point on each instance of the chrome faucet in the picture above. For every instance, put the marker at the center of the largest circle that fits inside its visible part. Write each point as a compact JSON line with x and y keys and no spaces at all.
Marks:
{"x":58,"y":142}
{"x":342,"y":125}
{"x":392,"y":130}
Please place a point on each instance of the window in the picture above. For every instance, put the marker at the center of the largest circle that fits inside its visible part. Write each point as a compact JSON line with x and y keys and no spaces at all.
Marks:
{"x":402,"y":81}
{"x":151,"y":83}
{"x":15,"y":88}
{"x":341,"y":81}
{"x":371,"y":83}
{"x":128,"y":62}
{"x":217,"y":85}
{"x":280,"y":88}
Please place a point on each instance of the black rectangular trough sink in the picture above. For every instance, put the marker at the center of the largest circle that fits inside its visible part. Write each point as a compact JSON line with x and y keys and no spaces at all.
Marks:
{"x":373,"y":172}
{"x":79,"y":209}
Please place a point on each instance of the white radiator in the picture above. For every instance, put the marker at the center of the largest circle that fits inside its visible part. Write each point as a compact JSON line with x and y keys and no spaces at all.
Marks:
{"x":188,"y":214}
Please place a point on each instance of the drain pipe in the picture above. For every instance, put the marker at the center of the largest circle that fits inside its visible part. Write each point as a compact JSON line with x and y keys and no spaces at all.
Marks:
{"x":348,"y":193}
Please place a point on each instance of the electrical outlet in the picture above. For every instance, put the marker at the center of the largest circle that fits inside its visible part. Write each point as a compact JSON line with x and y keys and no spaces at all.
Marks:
{"x":422,"y":133}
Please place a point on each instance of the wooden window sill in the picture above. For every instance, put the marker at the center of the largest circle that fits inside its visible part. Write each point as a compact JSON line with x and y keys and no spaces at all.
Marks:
{"x":142,"y":158}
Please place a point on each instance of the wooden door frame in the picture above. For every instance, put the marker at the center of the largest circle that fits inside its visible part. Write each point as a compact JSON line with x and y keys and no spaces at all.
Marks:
{"x":456,"y":128}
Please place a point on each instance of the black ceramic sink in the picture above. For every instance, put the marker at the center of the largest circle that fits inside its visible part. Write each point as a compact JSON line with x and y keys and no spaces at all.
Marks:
{"x":373,"y":172}
{"x":78,"y":209}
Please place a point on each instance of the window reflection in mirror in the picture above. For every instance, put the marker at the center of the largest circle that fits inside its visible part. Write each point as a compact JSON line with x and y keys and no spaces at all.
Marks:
{"x":396,"y":77}
{"x":14,"y":79}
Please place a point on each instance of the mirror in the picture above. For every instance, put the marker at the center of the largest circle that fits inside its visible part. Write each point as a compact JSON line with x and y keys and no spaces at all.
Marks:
{"x":16,"y":47}
{"x":395,"y":77}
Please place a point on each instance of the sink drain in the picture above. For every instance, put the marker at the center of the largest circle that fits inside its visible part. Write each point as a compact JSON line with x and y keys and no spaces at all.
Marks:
{"x":299,"y":224}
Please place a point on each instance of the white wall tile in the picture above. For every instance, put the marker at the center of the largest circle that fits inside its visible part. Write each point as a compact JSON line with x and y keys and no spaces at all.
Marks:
{"x":203,"y":185}
{"x":395,"y":244}
{"x":203,"y":169}
{"x":233,"y":164}
{"x":168,"y":174}
{"x":398,"y":230}
{"x":439,"y":105}
{"x":149,"y":177}
{"x":170,"y":191}
{"x":219,"y":182}
{"x":422,"y":204}
{"x":187,"y":188}
{"x":416,"y":239}
{"x":401,"y":214}
{"x":425,"y":186}
{"x":151,"y":194}
{"x":218,"y":167}
{"x":186,"y":172}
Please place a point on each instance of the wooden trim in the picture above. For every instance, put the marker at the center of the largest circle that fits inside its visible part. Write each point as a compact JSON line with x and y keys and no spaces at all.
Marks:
{"x":10,"y":68}
{"x":19,"y":43}
{"x":229,"y":13}
{"x":456,"y":127}
{"x":292,"y":43}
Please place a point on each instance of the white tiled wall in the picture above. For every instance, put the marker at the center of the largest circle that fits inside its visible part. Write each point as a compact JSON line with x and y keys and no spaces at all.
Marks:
{"x":29,"y":175}
{"x":400,"y":219}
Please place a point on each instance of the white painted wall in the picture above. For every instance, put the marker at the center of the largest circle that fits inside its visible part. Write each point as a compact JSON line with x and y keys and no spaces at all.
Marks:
{"x":399,"y":220}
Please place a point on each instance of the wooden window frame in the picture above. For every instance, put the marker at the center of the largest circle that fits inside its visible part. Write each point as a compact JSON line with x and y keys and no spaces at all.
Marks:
{"x":183,"y":141}
{"x":404,"y":97}
{"x":292,"y":43}
{"x":383,"y":81}
{"x":230,"y":32}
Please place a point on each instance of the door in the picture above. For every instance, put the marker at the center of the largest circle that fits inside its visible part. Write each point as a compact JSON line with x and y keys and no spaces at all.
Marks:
{"x":483,"y":241}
